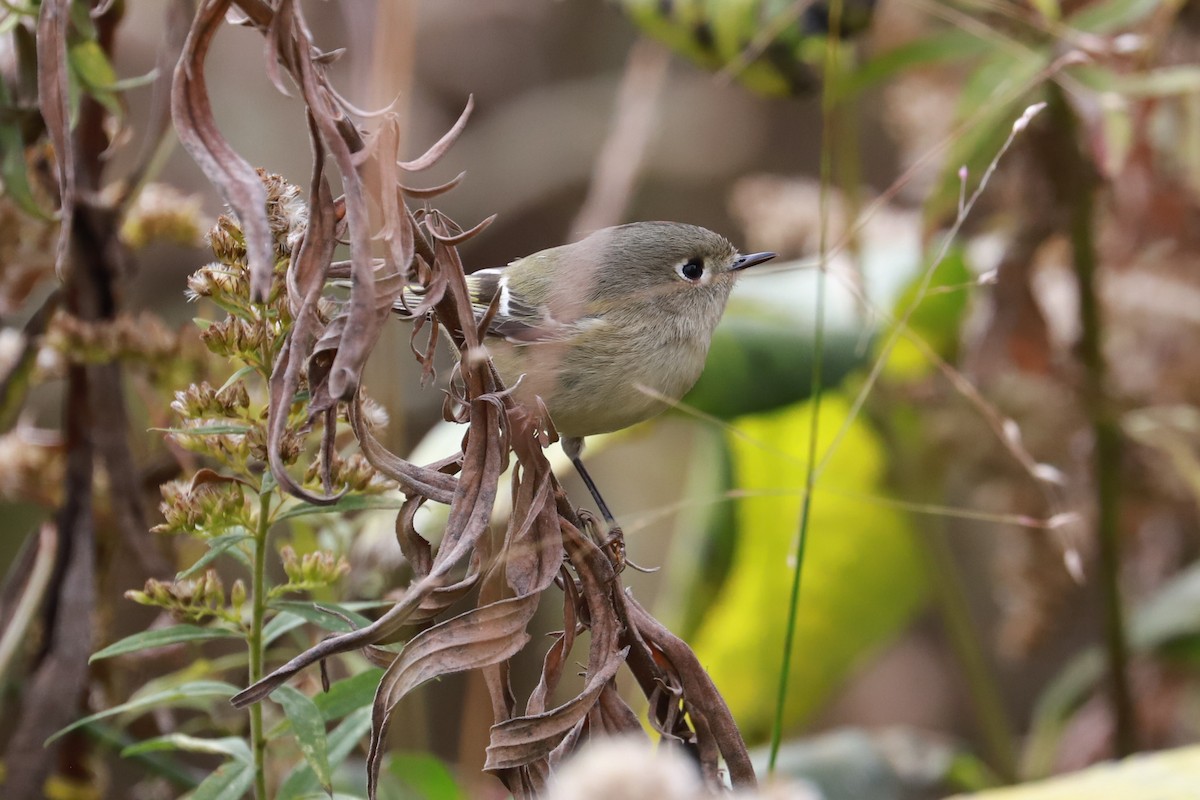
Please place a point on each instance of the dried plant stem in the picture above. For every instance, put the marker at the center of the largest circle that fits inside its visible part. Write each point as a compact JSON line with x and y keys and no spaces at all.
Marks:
{"x":254,"y":641}
{"x":1078,"y":187}
{"x":620,"y":160}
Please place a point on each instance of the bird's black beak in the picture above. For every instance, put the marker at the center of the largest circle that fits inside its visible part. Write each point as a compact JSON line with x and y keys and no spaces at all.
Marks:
{"x":750,"y":260}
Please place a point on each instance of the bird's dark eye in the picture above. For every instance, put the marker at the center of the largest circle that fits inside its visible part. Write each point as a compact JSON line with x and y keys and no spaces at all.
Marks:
{"x":692,"y":269}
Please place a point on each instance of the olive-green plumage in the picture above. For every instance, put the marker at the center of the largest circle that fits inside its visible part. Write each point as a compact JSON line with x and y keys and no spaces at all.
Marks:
{"x":589,"y":327}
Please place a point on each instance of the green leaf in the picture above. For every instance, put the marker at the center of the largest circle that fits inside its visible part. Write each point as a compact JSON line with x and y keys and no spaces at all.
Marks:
{"x":217,"y":546}
{"x":233,"y":746}
{"x":147,"y":640}
{"x":281,"y":624}
{"x":343,"y":697}
{"x":205,"y":430}
{"x":1162,"y":82}
{"x":991,"y":101}
{"x":90,"y":63}
{"x":13,"y":168}
{"x":950,"y":45}
{"x":342,"y":740}
{"x":761,"y":360}
{"x":863,"y":580}
{"x":230,"y":780}
{"x":426,"y":775}
{"x":349,"y":502}
{"x":1110,"y":16}
{"x":193,"y":694}
{"x":91,"y":67}
{"x":321,"y":614}
{"x":309,"y":728}
{"x":166,"y":765}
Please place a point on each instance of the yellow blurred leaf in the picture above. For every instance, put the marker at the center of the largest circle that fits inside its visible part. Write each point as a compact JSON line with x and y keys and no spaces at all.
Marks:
{"x":862,"y":576}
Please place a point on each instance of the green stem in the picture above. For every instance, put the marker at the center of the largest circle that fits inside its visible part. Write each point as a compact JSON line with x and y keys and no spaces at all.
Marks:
{"x":1078,"y":188}
{"x":983,"y":693}
{"x":830,"y":126}
{"x":258,"y":741}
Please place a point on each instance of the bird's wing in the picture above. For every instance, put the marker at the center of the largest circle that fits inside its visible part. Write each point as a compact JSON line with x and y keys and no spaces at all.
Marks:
{"x":515,"y":318}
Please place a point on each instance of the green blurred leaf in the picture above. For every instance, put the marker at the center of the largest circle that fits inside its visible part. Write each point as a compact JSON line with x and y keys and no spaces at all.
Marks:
{"x":205,"y":430}
{"x":862,"y":575}
{"x":1111,"y":16}
{"x":230,"y":780}
{"x":233,"y":746}
{"x":936,"y":317}
{"x":195,"y":694}
{"x":952,"y":44}
{"x":760,"y":360}
{"x":987,"y":100}
{"x":322,"y":614}
{"x":342,"y":740}
{"x":309,"y":729}
{"x":349,"y":502}
{"x":349,"y":694}
{"x":162,"y":637}
{"x":90,"y":63}
{"x":280,"y":624}
{"x":13,"y":169}
{"x":343,"y":697}
{"x":1161,"y":82}
{"x":94,"y":72}
{"x":425,"y":775}
{"x":218,"y":546}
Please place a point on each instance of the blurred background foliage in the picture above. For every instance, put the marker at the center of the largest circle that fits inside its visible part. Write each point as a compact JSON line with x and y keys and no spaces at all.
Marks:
{"x":942,"y":643}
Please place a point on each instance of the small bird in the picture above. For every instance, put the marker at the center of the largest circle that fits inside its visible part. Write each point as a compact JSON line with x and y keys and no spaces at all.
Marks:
{"x":589,"y":327}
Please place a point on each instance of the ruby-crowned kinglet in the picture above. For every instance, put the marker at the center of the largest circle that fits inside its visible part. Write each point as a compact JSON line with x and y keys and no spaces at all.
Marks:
{"x":589,"y":327}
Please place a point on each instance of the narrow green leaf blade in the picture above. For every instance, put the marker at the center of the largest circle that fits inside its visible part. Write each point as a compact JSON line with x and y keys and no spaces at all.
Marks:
{"x":309,"y":728}
{"x":233,"y":746}
{"x":195,"y":692}
{"x":342,"y":698}
{"x":231,"y":779}
{"x":146,"y":640}
{"x":350,"y":502}
{"x":342,"y":740}
{"x":217,"y":546}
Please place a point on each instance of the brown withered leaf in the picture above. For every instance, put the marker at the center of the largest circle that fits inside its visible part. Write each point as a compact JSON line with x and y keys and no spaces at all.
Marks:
{"x":523,"y":740}
{"x":414,"y":481}
{"x":52,"y":72}
{"x":177,"y":17}
{"x":477,"y":638}
{"x":224,"y":167}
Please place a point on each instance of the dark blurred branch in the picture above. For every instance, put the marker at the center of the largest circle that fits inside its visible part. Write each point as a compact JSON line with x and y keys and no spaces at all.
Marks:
{"x":1077,"y":183}
{"x":93,"y":263}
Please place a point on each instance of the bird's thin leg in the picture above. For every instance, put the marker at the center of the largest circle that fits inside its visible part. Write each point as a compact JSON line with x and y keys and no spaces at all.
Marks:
{"x":573,"y":447}
{"x":615,"y":543}
{"x":591,"y":485}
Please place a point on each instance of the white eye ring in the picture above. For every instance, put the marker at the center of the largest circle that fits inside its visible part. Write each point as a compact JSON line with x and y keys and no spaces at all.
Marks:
{"x":691,"y":270}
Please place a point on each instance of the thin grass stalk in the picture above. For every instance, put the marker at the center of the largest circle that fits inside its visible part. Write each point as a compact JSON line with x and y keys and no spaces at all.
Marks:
{"x":828,"y":107}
